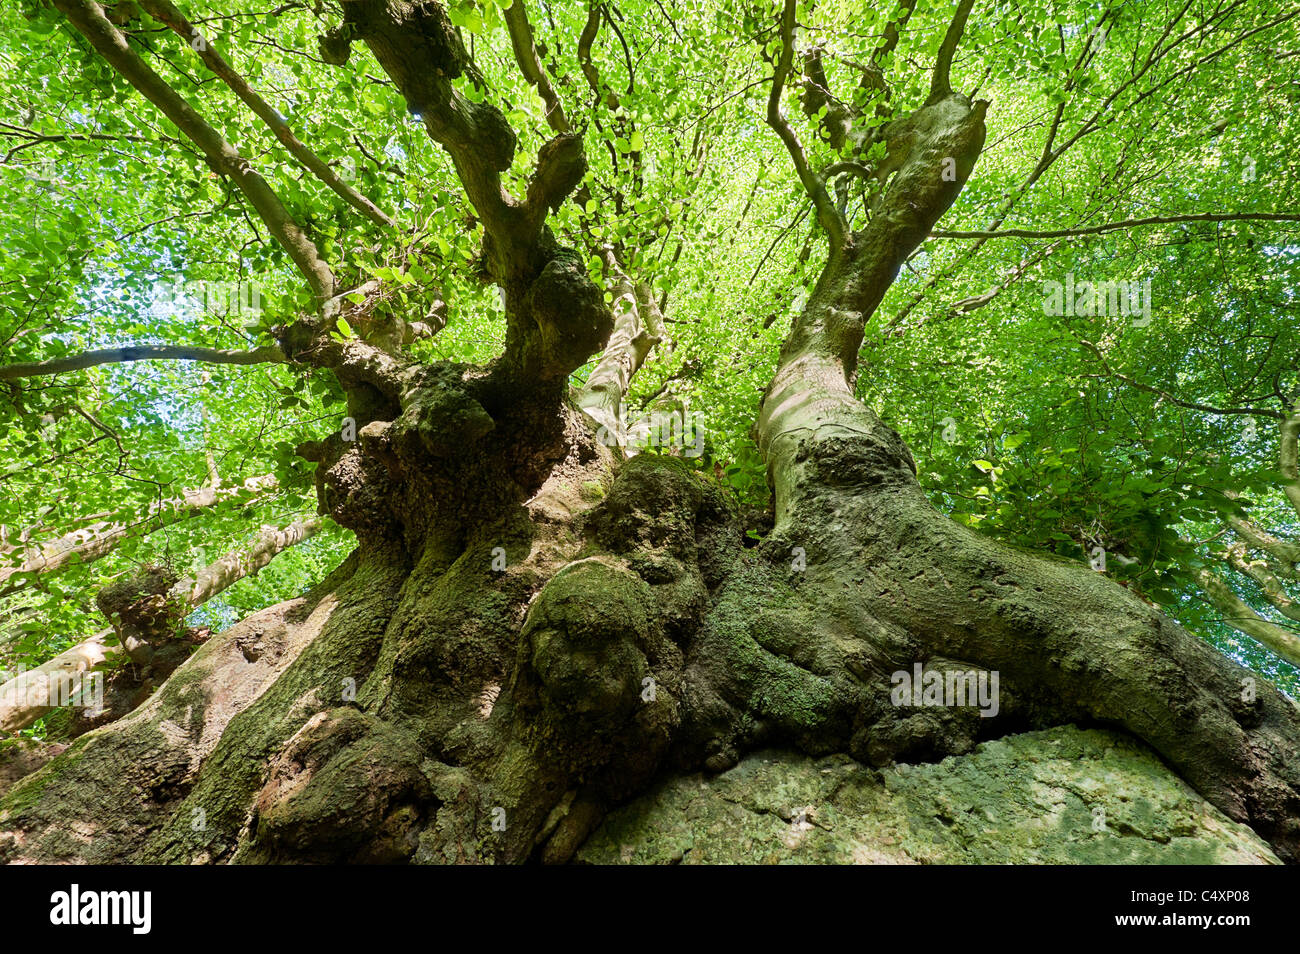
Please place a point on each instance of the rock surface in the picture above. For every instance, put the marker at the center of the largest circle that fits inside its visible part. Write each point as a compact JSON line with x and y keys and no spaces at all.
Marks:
{"x":1060,"y":796}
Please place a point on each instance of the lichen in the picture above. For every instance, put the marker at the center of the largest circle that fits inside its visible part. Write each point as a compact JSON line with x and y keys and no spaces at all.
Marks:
{"x":1062,"y":796}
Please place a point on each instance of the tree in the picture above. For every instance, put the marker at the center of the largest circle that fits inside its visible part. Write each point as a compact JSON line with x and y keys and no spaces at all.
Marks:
{"x":563,"y":238}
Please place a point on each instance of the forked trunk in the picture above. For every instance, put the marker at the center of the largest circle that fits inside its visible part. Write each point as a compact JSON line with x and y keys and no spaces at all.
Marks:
{"x":532,"y":631}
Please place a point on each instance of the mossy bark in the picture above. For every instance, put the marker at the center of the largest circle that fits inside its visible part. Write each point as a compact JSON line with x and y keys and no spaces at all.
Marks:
{"x":500,"y":710}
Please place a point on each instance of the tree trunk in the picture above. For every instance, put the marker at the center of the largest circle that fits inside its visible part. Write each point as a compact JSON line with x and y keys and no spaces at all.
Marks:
{"x":531,"y":631}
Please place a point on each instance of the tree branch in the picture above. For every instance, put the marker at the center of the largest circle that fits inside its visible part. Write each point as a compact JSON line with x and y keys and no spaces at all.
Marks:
{"x":892,"y":33}
{"x":165,"y":12}
{"x":89,"y":359}
{"x":422,"y":52}
{"x":940,"y":80}
{"x":88,"y":18}
{"x":269,"y":543}
{"x":829,"y":216}
{"x":1190,"y":405}
{"x":1288,"y":458}
{"x":1258,"y":570}
{"x":589,"y":71}
{"x":27,"y":698}
{"x":87,"y":544}
{"x":1264,"y":541}
{"x":521,"y":39}
{"x":967,"y":305}
{"x":1127,"y":224}
{"x":1245,"y":620}
{"x":638,"y":327}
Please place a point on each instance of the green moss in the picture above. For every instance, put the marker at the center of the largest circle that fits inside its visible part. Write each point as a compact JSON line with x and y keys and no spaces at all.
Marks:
{"x":27,"y":793}
{"x":753,"y":639}
{"x":1028,"y":799}
{"x":588,"y":631}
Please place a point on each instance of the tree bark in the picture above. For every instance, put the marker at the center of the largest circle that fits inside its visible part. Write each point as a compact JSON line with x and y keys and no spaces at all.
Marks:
{"x":638,"y":327}
{"x":27,"y":697}
{"x":90,"y":359}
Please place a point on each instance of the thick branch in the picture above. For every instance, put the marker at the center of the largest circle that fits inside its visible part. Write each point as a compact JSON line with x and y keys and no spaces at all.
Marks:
{"x":1259,"y":571}
{"x":98,"y":540}
{"x":27,"y":698}
{"x":555,"y":315}
{"x":1245,"y":620}
{"x":90,"y":359}
{"x":521,"y":39}
{"x":165,"y":12}
{"x":589,"y":71}
{"x":940,"y":81}
{"x":234,"y":566}
{"x":933,"y":151}
{"x":892,"y":33}
{"x":1265,"y":542}
{"x":836,"y":117}
{"x":422,"y":52}
{"x":638,"y":327}
{"x":88,"y":18}
{"x":1288,"y":460}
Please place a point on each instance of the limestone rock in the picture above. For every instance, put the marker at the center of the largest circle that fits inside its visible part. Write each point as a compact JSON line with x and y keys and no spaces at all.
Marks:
{"x":1060,"y":796}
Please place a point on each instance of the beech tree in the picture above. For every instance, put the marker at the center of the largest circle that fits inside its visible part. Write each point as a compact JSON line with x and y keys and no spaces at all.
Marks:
{"x":664,"y":376}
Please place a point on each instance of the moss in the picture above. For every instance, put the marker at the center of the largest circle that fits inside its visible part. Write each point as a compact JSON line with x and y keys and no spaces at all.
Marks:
{"x":751,"y":646}
{"x":1027,"y":799}
{"x":27,"y":793}
{"x":347,"y":788}
{"x":346,"y":647}
{"x":588,"y":631}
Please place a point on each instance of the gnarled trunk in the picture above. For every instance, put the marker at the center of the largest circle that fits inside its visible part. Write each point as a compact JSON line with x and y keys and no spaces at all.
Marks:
{"x":531,"y":630}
